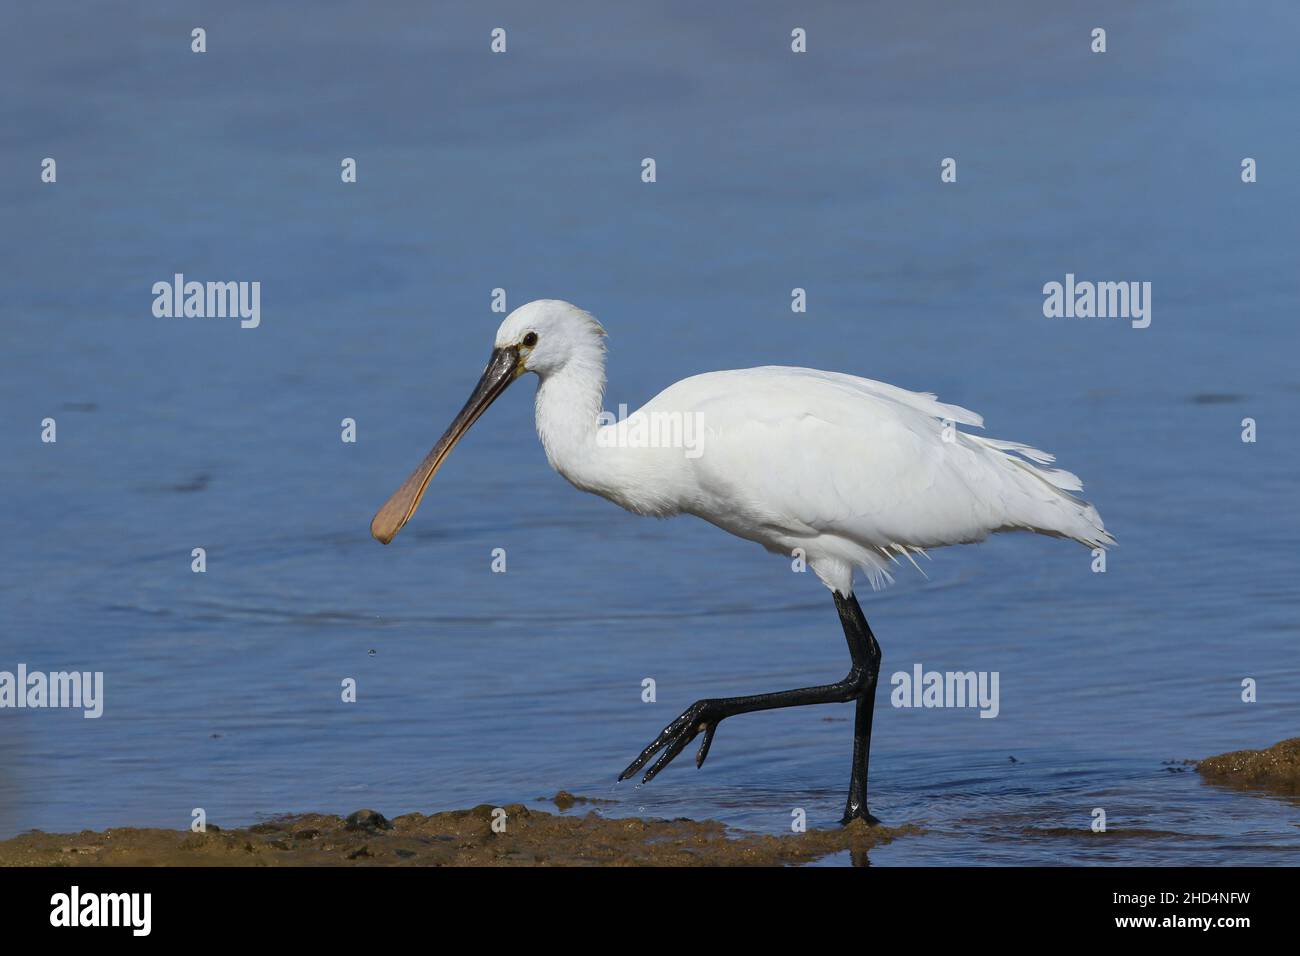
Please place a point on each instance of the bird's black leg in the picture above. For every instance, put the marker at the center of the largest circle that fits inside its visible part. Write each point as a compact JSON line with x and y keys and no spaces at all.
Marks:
{"x":858,"y":685}
{"x":863,"y":647}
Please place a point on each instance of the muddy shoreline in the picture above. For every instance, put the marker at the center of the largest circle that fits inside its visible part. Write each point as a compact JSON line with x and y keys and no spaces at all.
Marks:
{"x":1275,"y":769}
{"x":517,"y":835}
{"x":480,"y":836}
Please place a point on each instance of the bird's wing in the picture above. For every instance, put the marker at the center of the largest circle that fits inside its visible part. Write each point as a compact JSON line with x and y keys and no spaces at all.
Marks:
{"x":805,"y":452}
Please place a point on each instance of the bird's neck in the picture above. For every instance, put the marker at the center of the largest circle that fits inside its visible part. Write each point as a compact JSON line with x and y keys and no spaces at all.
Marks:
{"x":568,"y":403}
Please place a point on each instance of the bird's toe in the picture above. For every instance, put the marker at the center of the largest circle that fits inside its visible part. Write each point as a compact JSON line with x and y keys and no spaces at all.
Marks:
{"x":672,"y":740}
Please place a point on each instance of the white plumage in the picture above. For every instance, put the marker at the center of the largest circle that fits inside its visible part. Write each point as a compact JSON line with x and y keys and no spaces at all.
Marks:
{"x":854,"y":472}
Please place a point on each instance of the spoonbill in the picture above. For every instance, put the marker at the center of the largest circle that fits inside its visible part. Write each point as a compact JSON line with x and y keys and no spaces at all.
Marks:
{"x":848,"y":472}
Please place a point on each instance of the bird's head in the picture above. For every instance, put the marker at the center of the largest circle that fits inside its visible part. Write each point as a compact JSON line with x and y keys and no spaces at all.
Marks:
{"x":548,"y":334}
{"x":543,"y":337}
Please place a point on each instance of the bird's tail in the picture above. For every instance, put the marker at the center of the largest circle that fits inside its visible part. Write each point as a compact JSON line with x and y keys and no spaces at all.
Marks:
{"x":1048,"y":507}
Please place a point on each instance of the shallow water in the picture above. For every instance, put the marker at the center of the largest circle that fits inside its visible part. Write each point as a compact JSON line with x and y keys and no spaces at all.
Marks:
{"x":522,"y":171}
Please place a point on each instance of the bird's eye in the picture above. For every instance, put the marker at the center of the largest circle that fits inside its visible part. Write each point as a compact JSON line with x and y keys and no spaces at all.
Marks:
{"x":530,"y":339}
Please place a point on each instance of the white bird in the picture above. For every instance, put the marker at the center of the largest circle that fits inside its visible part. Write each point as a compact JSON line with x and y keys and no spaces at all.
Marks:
{"x":851,"y":473}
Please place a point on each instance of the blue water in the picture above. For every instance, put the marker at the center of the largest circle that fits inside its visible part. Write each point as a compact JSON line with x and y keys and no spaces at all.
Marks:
{"x":522,"y":171}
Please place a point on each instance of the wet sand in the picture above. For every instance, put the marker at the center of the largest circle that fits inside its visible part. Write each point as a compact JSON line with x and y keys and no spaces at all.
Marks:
{"x":456,"y":838}
{"x":578,"y":835}
{"x":1275,"y":770}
